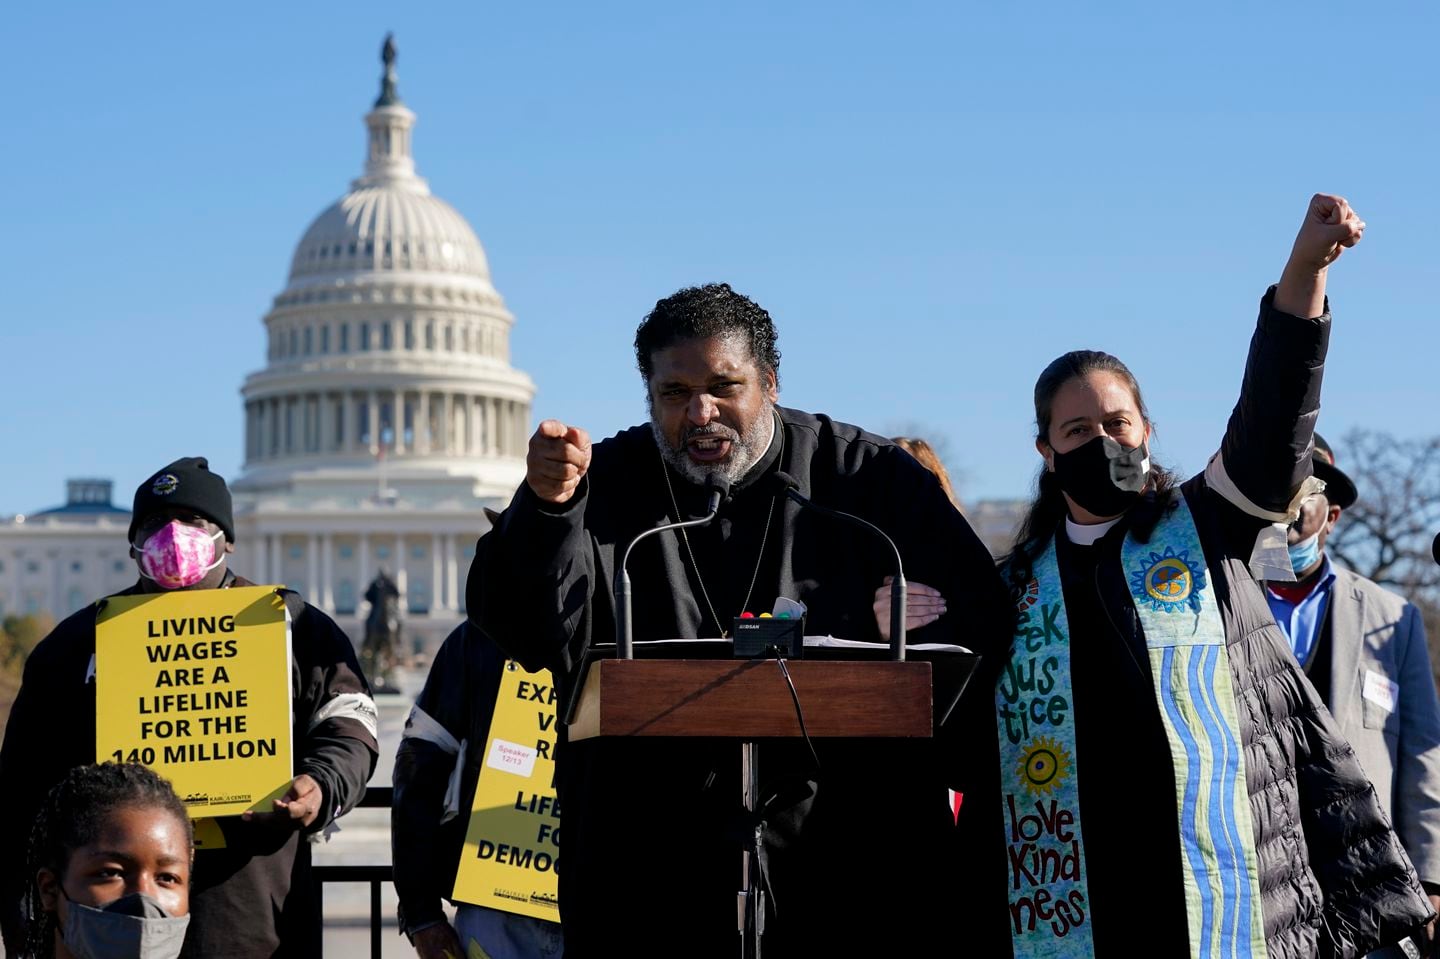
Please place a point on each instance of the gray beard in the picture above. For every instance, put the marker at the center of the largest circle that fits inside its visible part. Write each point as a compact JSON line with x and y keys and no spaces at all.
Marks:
{"x":745,"y":449}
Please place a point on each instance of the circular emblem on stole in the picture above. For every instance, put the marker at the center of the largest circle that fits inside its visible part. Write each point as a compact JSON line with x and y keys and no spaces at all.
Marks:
{"x":1044,"y":764}
{"x":164,"y":484}
{"x":1168,"y":581}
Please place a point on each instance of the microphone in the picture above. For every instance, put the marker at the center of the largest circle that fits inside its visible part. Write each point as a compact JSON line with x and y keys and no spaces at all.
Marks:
{"x":898,"y":594}
{"x":718,"y":487}
{"x":1435,"y":548}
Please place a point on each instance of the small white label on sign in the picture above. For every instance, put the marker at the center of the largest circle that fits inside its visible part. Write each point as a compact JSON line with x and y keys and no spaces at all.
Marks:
{"x":511,"y":757}
{"x":1381,"y":690}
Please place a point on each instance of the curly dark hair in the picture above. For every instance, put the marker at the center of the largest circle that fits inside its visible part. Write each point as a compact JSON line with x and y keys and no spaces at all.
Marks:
{"x":72,"y":817}
{"x":702,"y":312}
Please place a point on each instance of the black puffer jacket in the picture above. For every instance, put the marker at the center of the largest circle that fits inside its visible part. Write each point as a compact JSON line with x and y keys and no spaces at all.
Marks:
{"x":1334,"y":879}
{"x":253,"y":897}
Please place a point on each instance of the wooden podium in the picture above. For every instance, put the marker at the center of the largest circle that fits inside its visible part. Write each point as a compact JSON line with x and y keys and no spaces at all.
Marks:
{"x":749,"y":700}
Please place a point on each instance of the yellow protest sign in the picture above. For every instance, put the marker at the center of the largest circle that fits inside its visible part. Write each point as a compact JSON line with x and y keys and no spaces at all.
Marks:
{"x":196,"y":685}
{"x":208,"y":834}
{"x":511,"y":859}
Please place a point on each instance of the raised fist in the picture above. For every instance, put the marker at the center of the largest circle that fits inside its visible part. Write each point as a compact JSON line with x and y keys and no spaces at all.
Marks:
{"x":558,"y":457}
{"x":1328,"y":228}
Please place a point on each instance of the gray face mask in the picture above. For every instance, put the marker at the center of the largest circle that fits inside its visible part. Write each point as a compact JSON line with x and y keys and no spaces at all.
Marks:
{"x":132,"y":927}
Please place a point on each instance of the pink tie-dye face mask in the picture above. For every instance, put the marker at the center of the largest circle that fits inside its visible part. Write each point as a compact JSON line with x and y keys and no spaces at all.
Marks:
{"x":176,"y":555}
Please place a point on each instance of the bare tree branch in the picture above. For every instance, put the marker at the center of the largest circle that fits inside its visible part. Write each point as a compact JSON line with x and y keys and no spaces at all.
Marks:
{"x":1386,"y":535}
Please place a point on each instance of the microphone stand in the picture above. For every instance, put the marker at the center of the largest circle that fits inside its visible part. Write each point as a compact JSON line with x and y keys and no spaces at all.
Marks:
{"x":751,"y":899}
{"x":899,"y":594}
{"x":751,"y":905}
{"x":717,"y":486}
{"x":750,"y":902}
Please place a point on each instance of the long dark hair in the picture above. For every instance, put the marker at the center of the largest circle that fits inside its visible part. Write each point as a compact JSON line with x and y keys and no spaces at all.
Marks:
{"x":1048,"y":509}
{"x":72,"y":817}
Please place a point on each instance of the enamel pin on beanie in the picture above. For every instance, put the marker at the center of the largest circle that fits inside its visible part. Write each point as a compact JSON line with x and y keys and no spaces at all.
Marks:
{"x":186,"y":483}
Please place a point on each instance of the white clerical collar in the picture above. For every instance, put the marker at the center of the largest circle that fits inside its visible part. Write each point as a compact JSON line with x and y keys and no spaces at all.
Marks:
{"x":1088,"y":535}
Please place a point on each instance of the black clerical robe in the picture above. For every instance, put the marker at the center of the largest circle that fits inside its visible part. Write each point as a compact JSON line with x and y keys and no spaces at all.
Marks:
{"x":651,"y":827}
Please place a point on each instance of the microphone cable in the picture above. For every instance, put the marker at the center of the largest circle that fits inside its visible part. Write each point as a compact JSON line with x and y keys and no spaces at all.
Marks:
{"x":799,"y":710}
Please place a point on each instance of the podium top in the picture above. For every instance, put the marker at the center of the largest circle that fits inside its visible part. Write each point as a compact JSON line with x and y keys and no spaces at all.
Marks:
{"x":712,"y":648}
{"x":749,"y":699}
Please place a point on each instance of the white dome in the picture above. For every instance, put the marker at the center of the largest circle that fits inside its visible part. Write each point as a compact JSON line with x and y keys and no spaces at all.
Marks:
{"x":389,"y":227}
{"x":389,"y":338}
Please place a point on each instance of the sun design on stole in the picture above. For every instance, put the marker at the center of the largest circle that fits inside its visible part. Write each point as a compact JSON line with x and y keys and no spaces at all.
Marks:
{"x":1168,"y":581}
{"x":1044,"y":766}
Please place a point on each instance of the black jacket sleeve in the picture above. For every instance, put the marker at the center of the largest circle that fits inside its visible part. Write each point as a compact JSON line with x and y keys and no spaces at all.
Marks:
{"x":941,"y":550}
{"x":424,"y":861}
{"x":537,"y":559}
{"x":334,"y":713}
{"x":21,"y":792}
{"x":1267,"y":444}
{"x":459,"y":694}
{"x":51,"y":729}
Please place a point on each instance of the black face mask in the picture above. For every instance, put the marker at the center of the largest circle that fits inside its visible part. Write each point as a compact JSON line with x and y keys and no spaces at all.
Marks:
{"x":1103,"y":477}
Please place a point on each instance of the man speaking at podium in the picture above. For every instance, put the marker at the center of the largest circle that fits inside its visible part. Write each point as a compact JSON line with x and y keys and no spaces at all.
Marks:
{"x":652,"y":826}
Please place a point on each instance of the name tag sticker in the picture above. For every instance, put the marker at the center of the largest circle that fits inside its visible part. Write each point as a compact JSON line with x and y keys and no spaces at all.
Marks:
{"x":511,"y":757}
{"x":1381,"y":690}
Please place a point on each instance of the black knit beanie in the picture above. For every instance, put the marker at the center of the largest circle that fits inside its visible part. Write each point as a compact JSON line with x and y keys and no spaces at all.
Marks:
{"x":188,"y":484}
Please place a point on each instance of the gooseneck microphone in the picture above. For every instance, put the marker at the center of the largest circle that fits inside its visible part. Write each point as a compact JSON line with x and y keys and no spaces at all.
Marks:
{"x":718,"y":487}
{"x":898,"y":593}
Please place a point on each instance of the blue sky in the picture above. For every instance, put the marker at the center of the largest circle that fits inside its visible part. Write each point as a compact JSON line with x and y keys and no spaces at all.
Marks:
{"x":932,"y":199}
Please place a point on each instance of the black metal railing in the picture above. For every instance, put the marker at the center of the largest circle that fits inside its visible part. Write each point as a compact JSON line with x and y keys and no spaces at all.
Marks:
{"x":376,"y":797}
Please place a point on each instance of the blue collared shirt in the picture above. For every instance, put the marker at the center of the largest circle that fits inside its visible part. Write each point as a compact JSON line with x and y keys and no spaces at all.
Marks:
{"x":1302,"y":621}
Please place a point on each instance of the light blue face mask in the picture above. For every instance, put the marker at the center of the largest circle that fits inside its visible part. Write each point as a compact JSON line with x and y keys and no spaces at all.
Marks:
{"x":1305,"y":553}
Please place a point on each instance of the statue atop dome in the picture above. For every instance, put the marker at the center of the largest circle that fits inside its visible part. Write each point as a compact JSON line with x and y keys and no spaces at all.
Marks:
{"x":389,"y":93}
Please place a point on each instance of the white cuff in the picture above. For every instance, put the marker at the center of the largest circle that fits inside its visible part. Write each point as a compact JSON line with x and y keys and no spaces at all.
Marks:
{"x":452,"y":788}
{"x":1269,"y":557}
{"x":420,"y":725}
{"x":356,"y":706}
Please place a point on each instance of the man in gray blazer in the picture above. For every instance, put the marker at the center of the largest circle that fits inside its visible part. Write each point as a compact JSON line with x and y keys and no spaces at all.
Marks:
{"x":1363,"y":648}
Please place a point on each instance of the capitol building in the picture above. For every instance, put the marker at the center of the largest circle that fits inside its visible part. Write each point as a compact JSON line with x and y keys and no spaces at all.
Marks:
{"x":386,"y":418}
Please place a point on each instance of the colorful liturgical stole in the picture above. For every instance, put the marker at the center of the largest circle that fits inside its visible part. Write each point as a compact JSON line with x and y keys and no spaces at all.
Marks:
{"x":1040,"y":770}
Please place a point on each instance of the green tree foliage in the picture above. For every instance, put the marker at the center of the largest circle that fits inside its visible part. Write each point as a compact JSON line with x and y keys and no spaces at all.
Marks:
{"x":18,"y":636}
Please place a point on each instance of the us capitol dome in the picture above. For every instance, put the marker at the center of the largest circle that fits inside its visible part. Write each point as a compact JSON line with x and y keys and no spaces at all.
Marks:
{"x":386,"y":419}
{"x":387,"y":415}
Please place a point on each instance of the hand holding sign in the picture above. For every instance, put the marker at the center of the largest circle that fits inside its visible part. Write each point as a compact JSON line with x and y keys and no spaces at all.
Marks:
{"x":438,"y":942}
{"x":298,"y":807}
